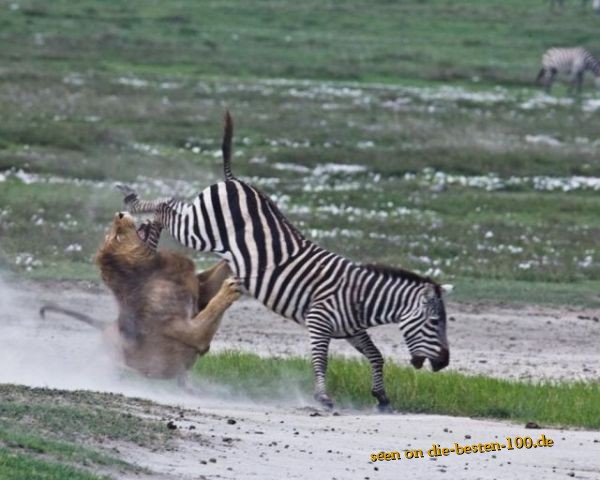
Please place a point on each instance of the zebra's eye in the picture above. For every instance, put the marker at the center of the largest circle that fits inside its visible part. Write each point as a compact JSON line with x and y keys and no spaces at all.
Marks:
{"x":435,"y":321}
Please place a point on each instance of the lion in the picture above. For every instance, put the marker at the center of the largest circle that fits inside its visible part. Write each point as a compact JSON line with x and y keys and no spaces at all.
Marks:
{"x":168,"y":314}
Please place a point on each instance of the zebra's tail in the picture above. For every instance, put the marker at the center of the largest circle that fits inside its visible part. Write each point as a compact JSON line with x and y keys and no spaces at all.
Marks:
{"x":72,"y":313}
{"x":540,"y":75}
{"x":226,"y":146}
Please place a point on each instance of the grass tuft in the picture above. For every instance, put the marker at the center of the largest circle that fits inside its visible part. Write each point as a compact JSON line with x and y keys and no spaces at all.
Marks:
{"x":573,"y":404}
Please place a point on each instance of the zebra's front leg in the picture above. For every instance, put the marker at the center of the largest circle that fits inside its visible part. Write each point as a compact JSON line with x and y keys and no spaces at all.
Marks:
{"x":149,"y":233}
{"x":319,"y":331}
{"x":363,"y":343}
{"x":549,"y":80}
{"x":579,"y":82}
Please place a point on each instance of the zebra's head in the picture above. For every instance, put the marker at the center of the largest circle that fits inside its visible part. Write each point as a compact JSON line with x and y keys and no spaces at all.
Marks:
{"x":425,"y":334}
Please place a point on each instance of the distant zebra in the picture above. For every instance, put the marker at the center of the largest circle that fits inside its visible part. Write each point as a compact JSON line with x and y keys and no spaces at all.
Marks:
{"x":327,"y":293}
{"x":570,"y":61}
{"x":561,"y":3}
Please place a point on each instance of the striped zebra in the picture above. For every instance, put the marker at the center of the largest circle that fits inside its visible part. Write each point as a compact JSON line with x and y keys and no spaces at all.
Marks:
{"x":330,"y":295}
{"x":569,"y":61}
{"x":561,"y":4}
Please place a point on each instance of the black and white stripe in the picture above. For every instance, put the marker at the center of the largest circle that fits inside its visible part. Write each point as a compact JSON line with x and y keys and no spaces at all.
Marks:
{"x":572,"y":62}
{"x":330,"y":295}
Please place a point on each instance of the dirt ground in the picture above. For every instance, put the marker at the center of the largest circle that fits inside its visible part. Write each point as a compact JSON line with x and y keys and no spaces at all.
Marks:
{"x":509,"y":342}
{"x":293,"y":440}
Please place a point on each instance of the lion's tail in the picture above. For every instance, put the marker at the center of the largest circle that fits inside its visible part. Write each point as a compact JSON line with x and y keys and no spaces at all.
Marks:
{"x":72,"y":313}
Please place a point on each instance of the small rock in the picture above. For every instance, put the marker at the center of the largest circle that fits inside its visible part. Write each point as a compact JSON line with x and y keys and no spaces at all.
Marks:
{"x":171,"y":425}
{"x":231,"y":421}
{"x":212,"y":460}
{"x":532,"y":425}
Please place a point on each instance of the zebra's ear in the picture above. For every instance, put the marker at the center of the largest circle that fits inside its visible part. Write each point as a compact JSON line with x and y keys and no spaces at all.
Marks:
{"x":447,"y":288}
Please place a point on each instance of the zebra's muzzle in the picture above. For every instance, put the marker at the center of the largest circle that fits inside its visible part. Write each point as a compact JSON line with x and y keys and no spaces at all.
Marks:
{"x":442,"y":361}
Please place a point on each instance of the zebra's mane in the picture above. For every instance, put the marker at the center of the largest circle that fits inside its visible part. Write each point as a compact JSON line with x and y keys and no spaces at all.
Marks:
{"x":401,"y":272}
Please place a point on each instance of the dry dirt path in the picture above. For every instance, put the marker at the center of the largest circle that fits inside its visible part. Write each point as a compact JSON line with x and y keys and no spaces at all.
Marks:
{"x":287,"y":440}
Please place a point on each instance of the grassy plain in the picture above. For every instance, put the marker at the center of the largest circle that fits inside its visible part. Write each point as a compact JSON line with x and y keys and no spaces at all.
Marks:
{"x":55,"y":434}
{"x":407,"y":133}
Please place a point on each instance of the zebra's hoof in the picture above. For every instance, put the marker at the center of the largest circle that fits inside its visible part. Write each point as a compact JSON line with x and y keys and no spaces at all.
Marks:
{"x":125,"y":190}
{"x":324,"y":400}
{"x":385,"y":408}
{"x":129,"y":195}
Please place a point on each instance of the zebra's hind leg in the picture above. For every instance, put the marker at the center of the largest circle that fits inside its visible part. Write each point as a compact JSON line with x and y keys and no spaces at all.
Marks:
{"x":319,"y":331}
{"x":363,"y":343}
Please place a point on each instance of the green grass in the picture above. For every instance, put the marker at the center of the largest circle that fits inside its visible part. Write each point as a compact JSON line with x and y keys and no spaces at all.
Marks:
{"x":57,"y":434}
{"x":400,"y":75}
{"x":14,"y":466}
{"x":573,"y":404}
{"x":75,"y":415}
{"x":62,"y":451}
{"x":509,"y":292}
{"x":352,"y":40}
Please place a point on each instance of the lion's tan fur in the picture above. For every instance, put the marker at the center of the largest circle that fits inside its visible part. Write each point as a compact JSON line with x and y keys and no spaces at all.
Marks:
{"x":168,"y":315}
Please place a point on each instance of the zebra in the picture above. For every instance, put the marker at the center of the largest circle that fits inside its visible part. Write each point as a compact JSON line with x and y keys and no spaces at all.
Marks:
{"x":561,"y":4}
{"x":571,"y":61}
{"x":330,"y":295}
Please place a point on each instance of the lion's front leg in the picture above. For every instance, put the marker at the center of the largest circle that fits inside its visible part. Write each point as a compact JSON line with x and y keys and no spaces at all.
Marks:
{"x":199,"y":331}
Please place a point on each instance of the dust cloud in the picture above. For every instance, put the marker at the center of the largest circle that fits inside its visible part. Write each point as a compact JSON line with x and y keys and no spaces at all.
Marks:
{"x":63,"y":353}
